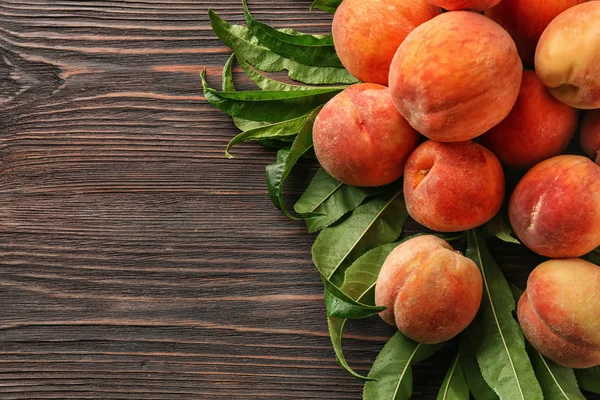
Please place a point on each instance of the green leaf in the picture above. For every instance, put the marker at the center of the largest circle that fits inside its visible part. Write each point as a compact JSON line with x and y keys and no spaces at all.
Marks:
{"x":468,"y":361}
{"x":376,"y":222}
{"x":258,"y":105}
{"x":392,"y":368}
{"x":326,"y":5}
{"x":340,"y":307}
{"x":278,"y":130}
{"x":326,"y":200}
{"x":246,"y":45}
{"x":454,"y":386}
{"x":496,"y":336}
{"x":500,"y":228}
{"x":278,"y":172}
{"x":306,"y":49}
{"x":589,"y":379}
{"x":336,"y":329}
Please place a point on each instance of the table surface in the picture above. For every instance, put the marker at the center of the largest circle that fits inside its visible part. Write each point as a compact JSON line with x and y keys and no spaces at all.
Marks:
{"x":136,"y":261}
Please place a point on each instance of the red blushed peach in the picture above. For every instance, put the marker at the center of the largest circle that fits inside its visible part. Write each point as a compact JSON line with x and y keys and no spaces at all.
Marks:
{"x":538,"y":127}
{"x":555,"y":208}
{"x":451,"y":187}
{"x":474,"y":5}
{"x":456,"y":76}
{"x":560,"y":312}
{"x":361,"y":139}
{"x":431,"y":291}
{"x":590,"y":133}
{"x":525,"y":20}
{"x":366,"y":34}
{"x":567,"y":58}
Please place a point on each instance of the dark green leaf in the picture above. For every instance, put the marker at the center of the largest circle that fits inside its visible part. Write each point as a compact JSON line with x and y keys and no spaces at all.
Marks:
{"x":454,"y":386}
{"x":280,"y":143}
{"x":272,"y":131}
{"x":326,"y":5}
{"x":278,"y":172}
{"x":341,"y":307}
{"x":496,"y":336}
{"x":479,"y":389}
{"x":246,"y":45}
{"x":392,"y":368}
{"x":593,"y":257}
{"x":326,"y":200}
{"x":589,"y":379}
{"x":500,"y":228}
{"x":258,"y":105}
{"x":376,"y":222}
{"x":306,"y":49}
{"x":336,"y":328}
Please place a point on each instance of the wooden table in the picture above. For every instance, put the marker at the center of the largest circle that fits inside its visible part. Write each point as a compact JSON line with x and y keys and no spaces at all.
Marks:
{"x":136,"y":262}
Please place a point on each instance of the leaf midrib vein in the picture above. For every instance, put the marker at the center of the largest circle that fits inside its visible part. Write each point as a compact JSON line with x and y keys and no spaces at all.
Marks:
{"x":450,"y":376}
{"x":552,"y":375}
{"x":406,"y":367}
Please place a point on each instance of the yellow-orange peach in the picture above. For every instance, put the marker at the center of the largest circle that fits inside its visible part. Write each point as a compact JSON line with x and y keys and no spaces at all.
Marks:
{"x":456,"y":76}
{"x":474,"y":5}
{"x":555,"y":208}
{"x":366,"y":34}
{"x":538,"y":127}
{"x":590,"y":133}
{"x":361,"y":139}
{"x":567,"y":58}
{"x":560,"y":312}
{"x":525,"y":20}
{"x":431,"y":291}
{"x":451,"y":187}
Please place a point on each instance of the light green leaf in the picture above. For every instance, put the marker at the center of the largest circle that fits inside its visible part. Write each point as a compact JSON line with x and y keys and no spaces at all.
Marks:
{"x":500,"y":227}
{"x":245,"y":44}
{"x":468,"y":361}
{"x":306,"y":49}
{"x":589,"y":379}
{"x":376,"y":222}
{"x":454,"y":386}
{"x":495,"y":335}
{"x":392,"y":368}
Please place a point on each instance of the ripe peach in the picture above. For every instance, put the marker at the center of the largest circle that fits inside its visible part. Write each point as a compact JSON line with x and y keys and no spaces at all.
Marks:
{"x":538,"y":127}
{"x":366,"y":34}
{"x":455,"y":76}
{"x":567,"y":58}
{"x":525,"y":20}
{"x":590,"y":133}
{"x":474,"y":5}
{"x":431,"y":291}
{"x":555,"y":208}
{"x":361,"y":139}
{"x":560,"y":312}
{"x":451,"y":187}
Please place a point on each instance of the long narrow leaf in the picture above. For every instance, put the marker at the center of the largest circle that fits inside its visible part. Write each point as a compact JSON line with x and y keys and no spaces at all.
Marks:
{"x":326,"y":5}
{"x":468,"y":361}
{"x":228,"y":86}
{"x":589,"y":379}
{"x":454,"y":386}
{"x":497,"y":338}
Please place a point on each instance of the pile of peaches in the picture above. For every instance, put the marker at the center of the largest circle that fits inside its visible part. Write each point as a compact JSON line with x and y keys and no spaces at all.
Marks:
{"x":491,"y":86}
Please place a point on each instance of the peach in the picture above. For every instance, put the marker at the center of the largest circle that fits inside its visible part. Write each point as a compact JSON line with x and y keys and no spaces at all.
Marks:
{"x":431,"y":291}
{"x":538,"y":127}
{"x":361,"y":139}
{"x":590,"y":133}
{"x":560,"y":312}
{"x":456,"y":76}
{"x":525,"y":20}
{"x":555,"y":208}
{"x":366,"y":34}
{"x":451,"y":187}
{"x":474,"y":5}
{"x":567,"y":58}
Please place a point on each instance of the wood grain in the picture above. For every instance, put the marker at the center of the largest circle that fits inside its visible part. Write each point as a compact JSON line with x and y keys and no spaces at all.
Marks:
{"x":136,"y":262}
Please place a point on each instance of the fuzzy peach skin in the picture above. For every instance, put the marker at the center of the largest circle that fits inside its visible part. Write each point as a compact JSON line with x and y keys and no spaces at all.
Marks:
{"x":366,"y":34}
{"x":560,"y":312}
{"x":456,"y":76}
{"x":538,"y":127}
{"x":567,"y":58}
{"x":451,"y":187}
{"x":555,"y":208}
{"x":525,"y":20}
{"x":361,"y":139}
{"x":473,"y":5}
{"x":590,"y":133}
{"x":431,"y":291}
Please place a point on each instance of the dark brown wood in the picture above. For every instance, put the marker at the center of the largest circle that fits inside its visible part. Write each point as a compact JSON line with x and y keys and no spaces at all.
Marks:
{"x":136,"y":262}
